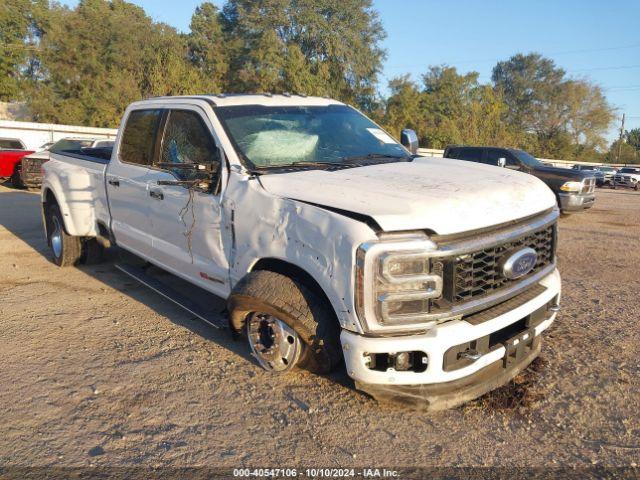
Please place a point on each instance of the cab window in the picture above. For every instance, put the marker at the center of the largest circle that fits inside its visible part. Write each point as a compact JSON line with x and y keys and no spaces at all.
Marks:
{"x":11,"y":144}
{"x":187,"y":140}
{"x":139,"y":137}
{"x":495,"y":154}
{"x":470,"y":154}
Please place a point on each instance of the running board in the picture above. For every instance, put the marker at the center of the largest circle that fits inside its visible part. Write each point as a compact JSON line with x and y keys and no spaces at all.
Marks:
{"x":170,"y":294}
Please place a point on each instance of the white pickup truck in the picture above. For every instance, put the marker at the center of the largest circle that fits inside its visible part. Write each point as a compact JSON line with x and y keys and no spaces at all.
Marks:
{"x":431,"y":279}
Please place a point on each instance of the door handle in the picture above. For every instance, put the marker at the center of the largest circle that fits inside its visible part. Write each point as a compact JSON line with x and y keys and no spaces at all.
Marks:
{"x":115,"y":183}
{"x":157,"y":194}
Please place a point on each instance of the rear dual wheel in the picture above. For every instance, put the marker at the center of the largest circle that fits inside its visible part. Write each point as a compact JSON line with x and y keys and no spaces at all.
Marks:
{"x":16,"y":178}
{"x":67,"y":250}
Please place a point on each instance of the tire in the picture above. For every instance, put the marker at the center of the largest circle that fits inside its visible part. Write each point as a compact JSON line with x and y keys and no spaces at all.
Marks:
{"x":92,"y":252}
{"x":66,"y":250}
{"x":16,"y":179}
{"x":276,"y":295}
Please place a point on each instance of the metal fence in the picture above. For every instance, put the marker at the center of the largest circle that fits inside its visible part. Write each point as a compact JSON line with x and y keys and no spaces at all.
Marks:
{"x":434,"y":152}
{"x":33,"y":135}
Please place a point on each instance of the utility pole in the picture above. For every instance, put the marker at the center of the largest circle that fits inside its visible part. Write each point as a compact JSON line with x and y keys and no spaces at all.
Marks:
{"x":620,"y":140}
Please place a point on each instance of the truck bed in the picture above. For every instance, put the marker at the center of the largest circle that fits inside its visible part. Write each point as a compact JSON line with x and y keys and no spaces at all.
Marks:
{"x":81,"y":174}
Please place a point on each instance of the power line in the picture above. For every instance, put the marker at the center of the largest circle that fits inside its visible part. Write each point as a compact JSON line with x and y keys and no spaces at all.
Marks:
{"x":622,"y":86}
{"x":565,"y":52}
{"x":619,"y":67}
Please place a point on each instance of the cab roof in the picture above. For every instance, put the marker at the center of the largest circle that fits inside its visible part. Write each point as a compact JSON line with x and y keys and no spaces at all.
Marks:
{"x":267,"y":99}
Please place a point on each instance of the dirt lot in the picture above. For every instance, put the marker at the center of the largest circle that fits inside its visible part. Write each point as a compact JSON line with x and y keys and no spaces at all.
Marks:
{"x":97,"y":370}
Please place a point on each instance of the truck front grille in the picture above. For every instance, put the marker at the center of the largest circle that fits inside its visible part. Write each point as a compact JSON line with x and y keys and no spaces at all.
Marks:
{"x":32,"y":165}
{"x":588,"y":185}
{"x":478,"y":273}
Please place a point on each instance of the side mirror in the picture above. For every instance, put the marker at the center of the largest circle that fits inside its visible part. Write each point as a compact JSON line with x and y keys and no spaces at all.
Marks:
{"x":409,"y":139}
{"x":502,"y":162}
{"x":199,"y":174}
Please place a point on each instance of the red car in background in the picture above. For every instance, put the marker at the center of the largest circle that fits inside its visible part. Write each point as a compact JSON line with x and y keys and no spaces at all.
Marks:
{"x":11,"y":152}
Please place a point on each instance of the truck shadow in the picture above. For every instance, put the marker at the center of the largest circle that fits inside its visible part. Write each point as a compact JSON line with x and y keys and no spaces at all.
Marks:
{"x":20,"y":215}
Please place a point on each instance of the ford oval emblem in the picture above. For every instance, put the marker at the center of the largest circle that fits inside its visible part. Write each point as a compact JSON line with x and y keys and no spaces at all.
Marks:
{"x":519,"y":263}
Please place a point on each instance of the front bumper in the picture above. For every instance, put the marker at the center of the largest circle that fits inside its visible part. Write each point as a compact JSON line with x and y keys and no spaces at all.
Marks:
{"x":440,"y":386}
{"x":626,"y":182}
{"x":575,"y":202}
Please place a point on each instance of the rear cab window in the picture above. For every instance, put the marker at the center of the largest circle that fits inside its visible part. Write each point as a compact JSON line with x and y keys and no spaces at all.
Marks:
{"x":61,"y":145}
{"x":139,"y":137}
{"x":11,"y":144}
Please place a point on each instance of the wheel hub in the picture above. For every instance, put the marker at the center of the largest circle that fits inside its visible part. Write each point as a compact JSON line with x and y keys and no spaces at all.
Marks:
{"x":56,"y":237}
{"x":273,"y":343}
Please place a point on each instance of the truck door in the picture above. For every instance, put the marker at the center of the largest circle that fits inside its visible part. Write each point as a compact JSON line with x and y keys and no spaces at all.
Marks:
{"x":127,"y":181}
{"x":186,"y":221}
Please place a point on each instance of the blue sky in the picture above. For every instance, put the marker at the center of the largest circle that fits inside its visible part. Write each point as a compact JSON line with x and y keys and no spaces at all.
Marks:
{"x":595,"y":40}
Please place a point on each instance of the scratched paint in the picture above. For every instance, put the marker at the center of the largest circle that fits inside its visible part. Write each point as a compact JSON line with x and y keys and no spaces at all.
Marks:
{"x":320,"y":242}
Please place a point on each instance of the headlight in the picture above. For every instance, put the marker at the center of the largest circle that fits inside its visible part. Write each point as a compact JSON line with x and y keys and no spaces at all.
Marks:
{"x":571,"y":187}
{"x":396,"y":280}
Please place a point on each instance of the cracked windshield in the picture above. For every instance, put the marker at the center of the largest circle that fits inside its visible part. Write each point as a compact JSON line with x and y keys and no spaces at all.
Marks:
{"x":334,"y":135}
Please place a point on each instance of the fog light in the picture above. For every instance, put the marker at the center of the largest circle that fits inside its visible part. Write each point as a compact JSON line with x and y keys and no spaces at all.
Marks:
{"x":403,"y":361}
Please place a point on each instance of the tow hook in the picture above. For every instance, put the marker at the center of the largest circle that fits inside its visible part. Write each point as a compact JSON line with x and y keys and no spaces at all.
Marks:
{"x":470,"y":354}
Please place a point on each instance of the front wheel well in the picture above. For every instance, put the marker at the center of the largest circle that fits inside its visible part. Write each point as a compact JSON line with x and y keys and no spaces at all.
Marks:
{"x":49,"y":198}
{"x":296,"y":273}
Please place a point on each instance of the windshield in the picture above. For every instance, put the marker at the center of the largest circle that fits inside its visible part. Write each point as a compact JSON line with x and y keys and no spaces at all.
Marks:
{"x":630,"y":170}
{"x":607,"y":169}
{"x":306,"y":136}
{"x":527,"y":159}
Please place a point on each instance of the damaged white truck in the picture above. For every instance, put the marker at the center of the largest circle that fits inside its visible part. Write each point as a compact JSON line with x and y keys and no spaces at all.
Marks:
{"x":431,"y":279}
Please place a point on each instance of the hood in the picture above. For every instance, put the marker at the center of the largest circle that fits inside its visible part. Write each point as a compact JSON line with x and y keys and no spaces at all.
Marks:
{"x":565,"y":173}
{"x":442,"y":195}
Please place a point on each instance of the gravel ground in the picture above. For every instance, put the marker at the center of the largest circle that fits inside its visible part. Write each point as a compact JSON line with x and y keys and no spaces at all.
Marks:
{"x":98,"y":370}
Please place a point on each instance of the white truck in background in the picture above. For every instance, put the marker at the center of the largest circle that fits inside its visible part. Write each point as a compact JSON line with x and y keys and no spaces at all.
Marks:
{"x":432,"y":279}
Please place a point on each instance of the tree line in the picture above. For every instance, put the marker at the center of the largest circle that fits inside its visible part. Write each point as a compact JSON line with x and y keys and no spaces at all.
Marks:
{"x":84,"y":65}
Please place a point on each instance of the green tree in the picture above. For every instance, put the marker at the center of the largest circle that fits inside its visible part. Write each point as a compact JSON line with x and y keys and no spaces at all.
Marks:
{"x":623,"y":152}
{"x":560,"y":113}
{"x":21,"y":23}
{"x":530,"y":85}
{"x":633,"y":138}
{"x":404,"y":108}
{"x":626,"y":150}
{"x":461,"y":110}
{"x":207,"y":48}
{"x":324,"y":46}
{"x":451,"y":108}
{"x":102,"y":55}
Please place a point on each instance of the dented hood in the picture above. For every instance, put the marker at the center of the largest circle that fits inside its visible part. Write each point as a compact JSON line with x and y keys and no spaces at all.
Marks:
{"x":442,"y":195}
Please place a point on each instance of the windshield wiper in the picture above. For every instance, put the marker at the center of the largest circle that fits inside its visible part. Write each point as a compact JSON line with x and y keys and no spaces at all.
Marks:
{"x":293,"y":166}
{"x":374,"y":156}
{"x":344,"y":162}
